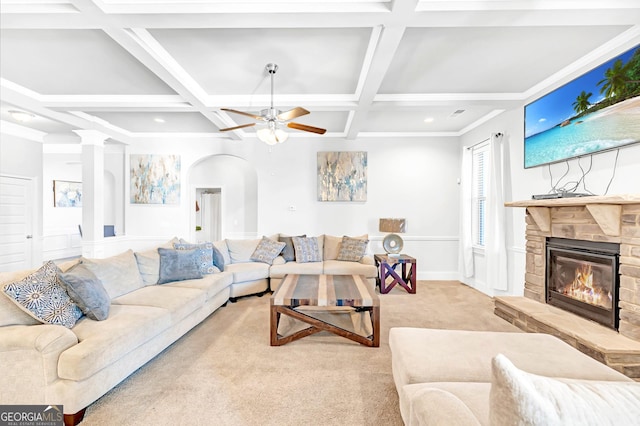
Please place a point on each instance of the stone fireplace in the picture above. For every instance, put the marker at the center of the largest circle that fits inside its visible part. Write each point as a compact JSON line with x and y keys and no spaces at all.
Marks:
{"x":590,"y":246}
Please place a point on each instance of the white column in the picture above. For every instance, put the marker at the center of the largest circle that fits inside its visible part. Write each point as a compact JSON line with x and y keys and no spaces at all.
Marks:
{"x":92,"y":142}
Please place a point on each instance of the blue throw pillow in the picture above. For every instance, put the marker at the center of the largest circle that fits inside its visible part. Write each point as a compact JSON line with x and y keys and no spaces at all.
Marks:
{"x":178,"y":265}
{"x":209,"y":256}
{"x":87,"y":291}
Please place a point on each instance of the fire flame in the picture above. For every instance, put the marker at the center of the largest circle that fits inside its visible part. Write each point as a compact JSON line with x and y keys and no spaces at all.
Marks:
{"x":582,"y":288}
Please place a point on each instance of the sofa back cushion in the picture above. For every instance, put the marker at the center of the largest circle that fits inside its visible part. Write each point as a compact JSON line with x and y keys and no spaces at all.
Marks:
{"x":119,"y":274}
{"x":240,"y":251}
{"x":224,"y":251}
{"x":331,"y":247}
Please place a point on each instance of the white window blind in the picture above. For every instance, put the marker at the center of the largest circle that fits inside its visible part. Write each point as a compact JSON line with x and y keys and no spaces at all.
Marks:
{"x":480,"y":165}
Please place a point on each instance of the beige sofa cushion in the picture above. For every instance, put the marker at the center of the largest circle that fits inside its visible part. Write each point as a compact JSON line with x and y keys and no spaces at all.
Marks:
{"x":119,"y":274}
{"x":308,"y":268}
{"x":241,"y":250}
{"x":248,"y":271}
{"x":223,"y":248}
{"x":180,"y":302}
{"x":104,"y":342}
{"x":422,"y":355}
{"x":340,"y":267}
{"x":540,"y":401}
{"x":211,"y":284}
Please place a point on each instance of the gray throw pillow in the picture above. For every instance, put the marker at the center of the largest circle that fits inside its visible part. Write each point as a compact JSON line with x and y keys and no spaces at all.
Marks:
{"x":288,"y":252}
{"x":267,"y":250}
{"x":178,"y":265}
{"x":352,"y":249}
{"x":87,"y":291}
{"x":307,"y":249}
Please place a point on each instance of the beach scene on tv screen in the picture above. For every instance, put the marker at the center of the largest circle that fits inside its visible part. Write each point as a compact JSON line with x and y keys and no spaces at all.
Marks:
{"x":597,"y":111}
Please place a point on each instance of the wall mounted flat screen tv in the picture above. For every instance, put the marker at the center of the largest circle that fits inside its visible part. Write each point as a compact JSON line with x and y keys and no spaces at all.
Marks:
{"x":597,"y":111}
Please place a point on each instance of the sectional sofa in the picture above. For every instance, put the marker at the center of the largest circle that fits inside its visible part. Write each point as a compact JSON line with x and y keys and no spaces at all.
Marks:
{"x":465,"y":378}
{"x":76,"y":363}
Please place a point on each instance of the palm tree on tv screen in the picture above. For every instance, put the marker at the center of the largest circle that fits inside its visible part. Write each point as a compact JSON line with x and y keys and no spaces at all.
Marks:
{"x":582,"y":103}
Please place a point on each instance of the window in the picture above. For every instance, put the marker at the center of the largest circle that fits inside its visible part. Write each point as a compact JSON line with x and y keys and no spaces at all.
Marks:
{"x":480,"y":179}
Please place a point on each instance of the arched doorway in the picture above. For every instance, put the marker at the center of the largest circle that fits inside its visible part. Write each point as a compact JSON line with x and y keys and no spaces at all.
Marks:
{"x":237,"y":183}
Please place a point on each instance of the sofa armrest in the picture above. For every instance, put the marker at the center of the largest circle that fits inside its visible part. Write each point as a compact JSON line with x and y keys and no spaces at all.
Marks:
{"x":29,"y":360}
{"x":431,"y":406}
{"x":367,"y":259}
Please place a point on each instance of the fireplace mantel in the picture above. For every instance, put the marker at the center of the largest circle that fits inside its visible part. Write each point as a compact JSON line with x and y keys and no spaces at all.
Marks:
{"x":578,"y":201}
{"x":605,"y":210}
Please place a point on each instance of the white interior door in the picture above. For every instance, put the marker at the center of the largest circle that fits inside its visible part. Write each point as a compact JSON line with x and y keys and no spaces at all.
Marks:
{"x":211,"y":215}
{"x":16,"y":223}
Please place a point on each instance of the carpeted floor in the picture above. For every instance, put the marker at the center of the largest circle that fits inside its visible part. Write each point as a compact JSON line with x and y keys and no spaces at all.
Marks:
{"x":224,"y":372}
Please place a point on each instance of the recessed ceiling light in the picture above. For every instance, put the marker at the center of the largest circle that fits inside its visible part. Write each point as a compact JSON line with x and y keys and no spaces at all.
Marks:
{"x":158,"y":120}
{"x":21,"y":116}
{"x":429,"y":120}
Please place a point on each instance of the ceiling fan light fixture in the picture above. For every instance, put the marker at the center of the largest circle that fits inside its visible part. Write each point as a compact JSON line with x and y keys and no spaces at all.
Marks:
{"x":272,"y":136}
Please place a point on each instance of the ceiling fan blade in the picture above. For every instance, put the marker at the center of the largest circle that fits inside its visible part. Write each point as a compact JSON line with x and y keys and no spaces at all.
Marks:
{"x":238,"y":127}
{"x":292,"y":113}
{"x":248,"y":114}
{"x":306,"y":128}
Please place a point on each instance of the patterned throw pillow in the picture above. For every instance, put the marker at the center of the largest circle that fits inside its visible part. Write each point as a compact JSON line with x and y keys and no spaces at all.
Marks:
{"x":267,"y":250}
{"x":42,"y":296}
{"x":178,"y":265}
{"x":204,"y":254}
{"x":288,"y":252}
{"x":307,"y":249}
{"x":352,"y":249}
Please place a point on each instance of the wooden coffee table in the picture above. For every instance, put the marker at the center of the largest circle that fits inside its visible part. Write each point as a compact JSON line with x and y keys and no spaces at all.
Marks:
{"x":324,"y":290}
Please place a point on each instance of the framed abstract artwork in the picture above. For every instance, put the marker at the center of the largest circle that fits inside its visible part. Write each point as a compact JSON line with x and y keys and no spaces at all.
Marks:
{"x":342,"y":176}
{"x":155,"y":179}
{"x":67,"y":193}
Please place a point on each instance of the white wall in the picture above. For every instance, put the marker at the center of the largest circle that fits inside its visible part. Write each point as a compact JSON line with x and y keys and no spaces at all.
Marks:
{"x":23,"y":158}
{"x":415,"y":179}
{"x":522,"y":183}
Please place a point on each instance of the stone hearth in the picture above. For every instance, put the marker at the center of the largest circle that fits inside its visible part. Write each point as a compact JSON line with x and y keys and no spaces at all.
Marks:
{"x":614,"y":219}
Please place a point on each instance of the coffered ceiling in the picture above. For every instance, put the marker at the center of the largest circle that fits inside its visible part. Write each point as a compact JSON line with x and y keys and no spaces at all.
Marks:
{"x":365,"y":68}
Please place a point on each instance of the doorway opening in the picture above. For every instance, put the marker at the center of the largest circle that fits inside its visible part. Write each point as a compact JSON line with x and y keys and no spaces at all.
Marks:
{"x":208,"y":214}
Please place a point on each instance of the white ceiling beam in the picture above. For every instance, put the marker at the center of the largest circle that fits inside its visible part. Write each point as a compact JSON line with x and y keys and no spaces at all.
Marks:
{"x":29,"y":101}
{"x":142,"y":46}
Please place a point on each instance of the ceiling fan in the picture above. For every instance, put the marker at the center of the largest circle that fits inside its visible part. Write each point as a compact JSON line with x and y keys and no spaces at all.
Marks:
{"x":272,"y":117}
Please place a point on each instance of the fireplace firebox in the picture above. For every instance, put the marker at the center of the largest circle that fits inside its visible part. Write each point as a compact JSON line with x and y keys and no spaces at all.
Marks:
{"x":582,"y":277}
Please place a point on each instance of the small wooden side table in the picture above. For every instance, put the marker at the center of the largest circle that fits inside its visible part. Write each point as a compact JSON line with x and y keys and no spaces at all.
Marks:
{"x":387,"y":267}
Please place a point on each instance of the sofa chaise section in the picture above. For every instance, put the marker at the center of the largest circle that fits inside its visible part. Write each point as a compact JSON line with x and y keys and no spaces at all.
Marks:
{"x":446,"y":375}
